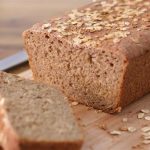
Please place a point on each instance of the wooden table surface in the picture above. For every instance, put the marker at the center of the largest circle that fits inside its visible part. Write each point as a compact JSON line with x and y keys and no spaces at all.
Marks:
{"x":18,"y":15}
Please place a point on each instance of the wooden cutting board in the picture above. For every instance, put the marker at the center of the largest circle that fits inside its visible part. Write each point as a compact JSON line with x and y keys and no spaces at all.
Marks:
{"x":97,"y":138}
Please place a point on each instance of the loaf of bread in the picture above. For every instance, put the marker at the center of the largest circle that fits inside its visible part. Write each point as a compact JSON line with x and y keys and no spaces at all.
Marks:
{"x":98,"y":55}
{"x":35,"y":117}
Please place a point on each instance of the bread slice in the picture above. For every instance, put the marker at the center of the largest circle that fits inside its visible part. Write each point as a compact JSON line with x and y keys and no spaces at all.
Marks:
{"x":98,"y":55}
{"x":35,"y":117}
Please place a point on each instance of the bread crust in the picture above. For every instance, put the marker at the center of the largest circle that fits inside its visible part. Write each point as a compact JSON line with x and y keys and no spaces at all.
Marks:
{"x":25,"y":145}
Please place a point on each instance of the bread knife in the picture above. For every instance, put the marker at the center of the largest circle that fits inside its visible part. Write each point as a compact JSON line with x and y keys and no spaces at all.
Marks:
{"x":13,"y":60}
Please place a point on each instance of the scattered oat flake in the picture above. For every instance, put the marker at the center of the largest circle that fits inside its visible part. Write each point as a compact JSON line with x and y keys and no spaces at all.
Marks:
{"x":124,"y":28}
{"x":111,"y":16}
{"x":131,"y":129}
{"x":146,"y":133}
{"x":115,"y":132}
{"x":74,"y":103}
{"x":140,"y":115}
{"x":60,"y":36}
{"x":99,"y":111}
{"x":116,"y":40}
{"x":74,"y":22}
{"x":79,"y":24}
{"x":77,"y":41}
{"x":46,"y":26}
{"x":138,"y":29}
{"x":125,"y":119}
{"x":135,"y":19}
{"x":146,"y":111}
{"x":50,"y":30}
{"x":147,"y":3}
{"x":127,"y":23}
{"x":146,"y":142}
{"x":147,"y":118}
{"x":146,"y":129}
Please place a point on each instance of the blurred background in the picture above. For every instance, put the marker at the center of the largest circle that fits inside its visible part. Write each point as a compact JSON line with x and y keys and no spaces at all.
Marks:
{"x":18,"y":15}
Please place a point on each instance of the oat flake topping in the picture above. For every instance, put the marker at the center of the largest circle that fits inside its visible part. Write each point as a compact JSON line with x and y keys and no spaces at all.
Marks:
{"x":103,"y":21}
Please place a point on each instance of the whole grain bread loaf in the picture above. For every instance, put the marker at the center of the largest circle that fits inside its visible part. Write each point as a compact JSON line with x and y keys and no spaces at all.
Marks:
{"x":98,"y":55}
{"x":35,"y":117}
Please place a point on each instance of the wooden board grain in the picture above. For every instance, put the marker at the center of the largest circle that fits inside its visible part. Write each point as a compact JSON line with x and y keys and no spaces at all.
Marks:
{"x":100,"y":139}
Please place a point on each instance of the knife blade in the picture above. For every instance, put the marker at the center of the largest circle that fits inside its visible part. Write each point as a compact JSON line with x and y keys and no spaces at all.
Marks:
{"x":13,"y":61}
